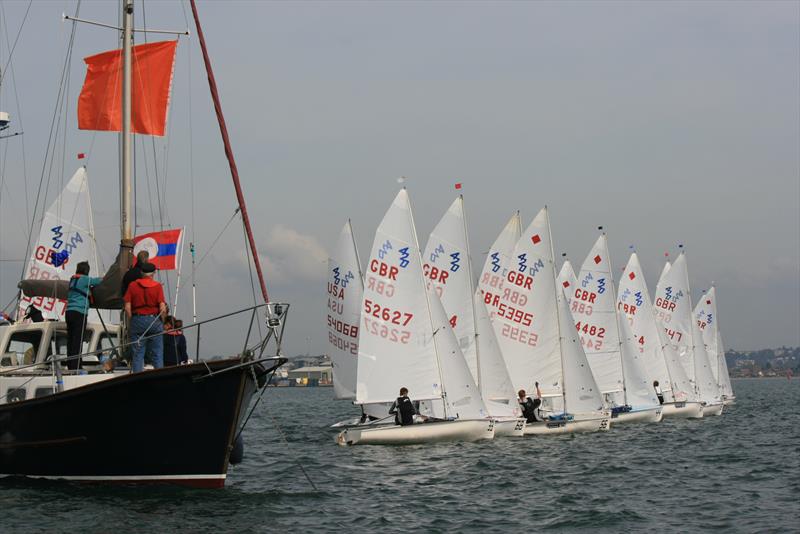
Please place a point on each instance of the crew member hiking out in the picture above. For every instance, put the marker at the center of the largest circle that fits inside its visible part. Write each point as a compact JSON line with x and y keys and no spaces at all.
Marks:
{"x":403,"y":409}
{"x":528,"y":406}
{"x":145,"y":307}
{"x":77,"y":307}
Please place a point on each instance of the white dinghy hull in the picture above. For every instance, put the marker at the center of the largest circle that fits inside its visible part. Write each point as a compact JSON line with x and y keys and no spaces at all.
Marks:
{"x":683,"y":410}
{"x":392,"y":434}
{"x":712,"y":409}
{"x":575,"y":426}
{"x":509,"y":426}
{"x":652,"y":415}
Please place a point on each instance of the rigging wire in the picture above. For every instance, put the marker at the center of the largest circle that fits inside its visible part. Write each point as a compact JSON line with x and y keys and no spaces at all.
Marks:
{"x":16,"y":39}
{"x":50,"y":138}
{"x":235,"y":213}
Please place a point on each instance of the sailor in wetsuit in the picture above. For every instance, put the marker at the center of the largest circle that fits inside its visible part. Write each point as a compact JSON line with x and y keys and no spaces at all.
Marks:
{"x":659,"y":393}
{"x":528,"y":406}
{"x":403,"y":409}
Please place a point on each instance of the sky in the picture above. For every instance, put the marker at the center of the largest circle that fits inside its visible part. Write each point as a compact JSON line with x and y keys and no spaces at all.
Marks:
{"x":665,"y":122}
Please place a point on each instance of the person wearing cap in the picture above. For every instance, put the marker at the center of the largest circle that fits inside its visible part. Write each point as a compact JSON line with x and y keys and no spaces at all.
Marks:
{"x":145,"y":307}
{"x":77,"y":307}
{"x":135,"y":272}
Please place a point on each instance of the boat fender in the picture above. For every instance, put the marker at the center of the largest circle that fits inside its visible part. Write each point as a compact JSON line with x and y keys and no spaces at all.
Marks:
{"x":237,"y":452}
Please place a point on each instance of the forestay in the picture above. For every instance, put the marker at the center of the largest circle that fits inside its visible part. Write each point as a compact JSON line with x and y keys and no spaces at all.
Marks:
{"x":66,"y":238}
{"x":345,"y":294}
{"x":447,"y":269}
{"x":593,"y":307}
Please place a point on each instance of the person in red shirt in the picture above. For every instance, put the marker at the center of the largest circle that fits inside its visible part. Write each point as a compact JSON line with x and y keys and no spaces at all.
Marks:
{"x":145,"y":307}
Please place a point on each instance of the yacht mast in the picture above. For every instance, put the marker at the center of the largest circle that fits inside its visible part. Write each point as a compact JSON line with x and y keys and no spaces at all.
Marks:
{"x":125,"y":174}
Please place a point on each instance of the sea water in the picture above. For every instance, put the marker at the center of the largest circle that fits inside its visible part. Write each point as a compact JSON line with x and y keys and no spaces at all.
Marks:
{"x":739,"y":472}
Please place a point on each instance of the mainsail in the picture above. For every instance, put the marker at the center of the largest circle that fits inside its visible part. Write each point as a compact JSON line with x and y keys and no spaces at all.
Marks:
{"x":345,"y":292}
{"x":65,"y":239}
{"x":447,"y":269}
{"x":594,"y":310}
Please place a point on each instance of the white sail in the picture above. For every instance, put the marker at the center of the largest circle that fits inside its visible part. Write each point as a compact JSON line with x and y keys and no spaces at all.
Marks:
{"x":705,"y":315}
{"x":492,"y":278}
{"x":66,"y":238}
{"x":673,"y":307}
{"x":724,"y":377}
{"x":446,"y":266}
{"x":594,"y":310}
{"x":496,"y":387}
{"x":582,"y":395}
{"x":634,"y":302}
{"x":567,"y":281}
{"x":639,"y":391}
{"x":524,"y":312}
{"x":405,"y":338}
{"x":707,"y":387}
{"x":345,"y":293}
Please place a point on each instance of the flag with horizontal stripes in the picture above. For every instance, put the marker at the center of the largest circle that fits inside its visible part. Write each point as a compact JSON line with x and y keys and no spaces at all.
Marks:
{"x":162,"y":247}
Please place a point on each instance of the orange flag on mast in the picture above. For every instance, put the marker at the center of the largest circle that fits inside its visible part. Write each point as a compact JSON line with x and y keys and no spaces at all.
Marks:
{"x":100,"y":101}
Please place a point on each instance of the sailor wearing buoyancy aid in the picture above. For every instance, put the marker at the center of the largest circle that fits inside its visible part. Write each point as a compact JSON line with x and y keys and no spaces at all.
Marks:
{"x":403,"y":409}
{"x":77,"y":307}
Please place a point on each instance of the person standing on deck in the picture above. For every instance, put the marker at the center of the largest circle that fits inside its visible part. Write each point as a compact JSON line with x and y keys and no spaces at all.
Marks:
{"x":77,"y":307}
{"x":145,"y":307}
{"x":135,"y":272}
{"x":528,"y":405}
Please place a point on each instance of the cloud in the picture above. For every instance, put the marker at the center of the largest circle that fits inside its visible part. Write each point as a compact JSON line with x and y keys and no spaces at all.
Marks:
{"x":289,"y":257}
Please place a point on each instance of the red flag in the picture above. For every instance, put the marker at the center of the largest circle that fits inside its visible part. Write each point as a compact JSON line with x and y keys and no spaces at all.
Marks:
{"x":100,"y":101}
{"x":458,"y":185}
{"x":81,"y":155}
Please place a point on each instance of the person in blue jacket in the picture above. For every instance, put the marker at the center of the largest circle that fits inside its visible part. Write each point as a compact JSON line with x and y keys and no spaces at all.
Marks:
{"x":80,"y":286}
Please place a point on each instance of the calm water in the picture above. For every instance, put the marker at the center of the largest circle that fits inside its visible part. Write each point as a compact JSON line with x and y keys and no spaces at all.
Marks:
{"x":735,"y":473}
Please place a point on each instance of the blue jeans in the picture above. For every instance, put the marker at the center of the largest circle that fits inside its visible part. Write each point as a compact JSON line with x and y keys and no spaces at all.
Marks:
{"x":150,"y":327}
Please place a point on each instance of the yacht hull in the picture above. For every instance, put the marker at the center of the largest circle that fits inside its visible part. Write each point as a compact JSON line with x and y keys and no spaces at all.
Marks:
{"x":509,"y":426}
{"x":712,"y":409}
{"x":684,"y":410}
{"x":172,"y":425}
{"x":653,"y":415}
{"x":431,"y":432}
{"x":589,"y":424}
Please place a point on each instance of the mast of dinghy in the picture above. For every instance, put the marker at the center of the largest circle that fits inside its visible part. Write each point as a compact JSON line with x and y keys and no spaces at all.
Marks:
{"x":212,"y":83}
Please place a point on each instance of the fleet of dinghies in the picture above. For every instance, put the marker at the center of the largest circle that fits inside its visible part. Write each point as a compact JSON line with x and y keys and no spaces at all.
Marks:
{"x":593,"y":355}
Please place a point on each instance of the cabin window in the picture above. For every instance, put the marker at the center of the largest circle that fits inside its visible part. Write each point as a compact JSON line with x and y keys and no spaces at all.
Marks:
{"x":60,"y":339}
{"x":43,"y":392}
{"x":22,"y":348}
{"x":15,"y":394}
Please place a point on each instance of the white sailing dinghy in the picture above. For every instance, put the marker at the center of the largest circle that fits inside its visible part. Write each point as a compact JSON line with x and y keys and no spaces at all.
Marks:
{"x":614,"y":362}
{"x":345,"y":294}
{"x":405,"y":340}
{"x":447,"y":266}
{"x":661,"y":363}
{"x":537,"y":336}
{"x":705,"y":314}
{"x":674,"y":311}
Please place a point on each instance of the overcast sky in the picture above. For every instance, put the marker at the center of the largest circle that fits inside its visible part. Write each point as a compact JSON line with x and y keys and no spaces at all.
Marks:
{"x":665,"y":122}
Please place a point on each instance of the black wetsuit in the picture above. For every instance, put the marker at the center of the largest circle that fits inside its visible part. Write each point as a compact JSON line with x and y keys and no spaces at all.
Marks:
{"x":529,"y":409}
{"x":403,"y":411}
